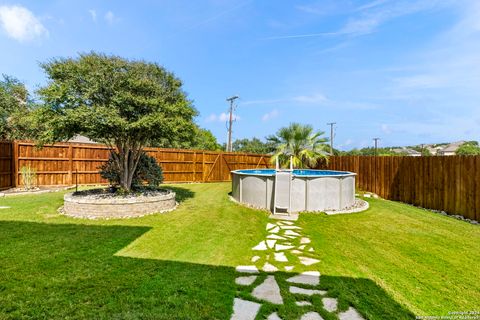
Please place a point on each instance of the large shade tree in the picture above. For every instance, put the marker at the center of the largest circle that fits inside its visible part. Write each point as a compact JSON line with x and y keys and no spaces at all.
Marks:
{"x":15,"y":104}
{"x":300,"y":143}
{"x":253,"y":145}
{"x":122,"y":103}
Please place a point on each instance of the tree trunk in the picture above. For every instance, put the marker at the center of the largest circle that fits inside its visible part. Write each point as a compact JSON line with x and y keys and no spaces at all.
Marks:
{"x":127,"y":162}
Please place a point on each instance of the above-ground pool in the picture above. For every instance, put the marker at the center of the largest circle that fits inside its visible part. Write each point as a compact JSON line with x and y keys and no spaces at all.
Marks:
{"x":296,"y":190}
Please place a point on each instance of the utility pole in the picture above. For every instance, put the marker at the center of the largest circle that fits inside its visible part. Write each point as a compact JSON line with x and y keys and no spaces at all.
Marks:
{"x":376,"y":145}
{"x":375,"y":171}
{"x":331,"y":124}
{"x":230,"y":122}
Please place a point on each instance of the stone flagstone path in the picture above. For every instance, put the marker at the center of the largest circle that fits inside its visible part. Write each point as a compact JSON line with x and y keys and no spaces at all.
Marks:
{"x":284,"y":249}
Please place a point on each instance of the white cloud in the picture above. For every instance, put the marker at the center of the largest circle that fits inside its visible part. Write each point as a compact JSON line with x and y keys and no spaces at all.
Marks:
{"x":263,"y":101}
{"x":369,"y":17}
{"x":314,"y":98}
{"x":20,"y":24}
{"x":386,"y":129}
{"x":301,"y":99}
{"x":222,"y":117}
{"x":93,"y":14}
{"x":449,"y":67}
{"x":347,"y":143}
{"x":110,"y":17}
{"x":270,"y":115}
{"x":376,"y":13}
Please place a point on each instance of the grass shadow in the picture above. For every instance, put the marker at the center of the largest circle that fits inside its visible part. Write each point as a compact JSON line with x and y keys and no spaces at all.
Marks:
{"x":182,"y":194}
{"x":368,"y":298}
{"x":57,"y":271}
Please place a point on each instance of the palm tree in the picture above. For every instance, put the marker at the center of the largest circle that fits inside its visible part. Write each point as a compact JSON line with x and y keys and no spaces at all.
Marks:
{"x":300,"y":142}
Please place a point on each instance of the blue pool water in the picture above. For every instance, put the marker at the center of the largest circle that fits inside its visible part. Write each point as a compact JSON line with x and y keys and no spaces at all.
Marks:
{"x":296,"y":172}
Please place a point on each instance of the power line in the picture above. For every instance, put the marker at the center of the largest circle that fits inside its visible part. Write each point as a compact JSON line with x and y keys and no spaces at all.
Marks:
{"x":230,"y":122}
{"x":331,"y":124}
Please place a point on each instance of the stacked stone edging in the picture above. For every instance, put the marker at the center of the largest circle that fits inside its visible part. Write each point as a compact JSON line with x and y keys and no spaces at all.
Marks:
{"x":108,"y":208}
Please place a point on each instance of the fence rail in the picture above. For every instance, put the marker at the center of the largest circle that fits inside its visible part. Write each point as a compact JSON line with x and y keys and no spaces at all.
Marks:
{"x":448,"y":183}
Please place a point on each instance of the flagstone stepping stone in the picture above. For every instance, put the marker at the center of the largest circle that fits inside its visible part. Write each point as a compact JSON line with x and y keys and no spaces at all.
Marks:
{"x":270,"y":226}
{"x":296,"y":251}
{"x":311,"y":250}
{"x":305,"y":240}
{"x":276,"y":236}
{"x":303,"y":303}
{"x":271,"y":243}
{"x":275,"y":230}
{"x":308,"y":277}
{"x":291,"y":233}
{"x":244,"y":310}
{"x":4,"y":207}
{"x":308,"y":261}
{"x":261,"y":246}
{"x":255,"y":258}
{"x":288,"y":268}
{"x":350,"y":314}
{"x":302,"y":247}
{"x":247,"y":269}
{"x":245,"y":281}
{"x":311,"y":316}
{"x":289,"y":227}
{"x":286,"y":222}
{"x":274,"y":316}
{"x":280,"y":247}
{"x":307,"y":292}
{"x":280,"y":257}
{"x":330,"y":304}
{"x":268,"y":291}
{"x":267,"y":267}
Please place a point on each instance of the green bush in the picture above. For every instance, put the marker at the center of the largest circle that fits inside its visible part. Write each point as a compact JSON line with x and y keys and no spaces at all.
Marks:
{"x":148,"y":172}
{"x":29,"y":177}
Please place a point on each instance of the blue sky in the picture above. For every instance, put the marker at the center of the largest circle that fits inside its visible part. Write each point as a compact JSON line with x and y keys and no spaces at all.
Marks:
{"x":405,"y":71}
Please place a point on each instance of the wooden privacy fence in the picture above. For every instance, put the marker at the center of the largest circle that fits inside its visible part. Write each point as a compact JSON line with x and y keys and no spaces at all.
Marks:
{"x":70,"y":163}
{"x":448,"y":183}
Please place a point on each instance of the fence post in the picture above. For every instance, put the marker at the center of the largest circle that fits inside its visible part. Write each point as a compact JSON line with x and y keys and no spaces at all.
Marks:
{"x":12,"y":166}
{"x":70,"y":164}
{"x":194,"y":166}
{"x":15,"y":164}
{"x":203,"y":166}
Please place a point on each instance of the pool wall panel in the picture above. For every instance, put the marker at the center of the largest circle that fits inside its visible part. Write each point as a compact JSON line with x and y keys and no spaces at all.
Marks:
{"x":309,"y":193}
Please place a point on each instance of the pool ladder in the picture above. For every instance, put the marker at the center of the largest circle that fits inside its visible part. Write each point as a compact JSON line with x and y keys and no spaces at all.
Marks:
{"x":282,"y":196}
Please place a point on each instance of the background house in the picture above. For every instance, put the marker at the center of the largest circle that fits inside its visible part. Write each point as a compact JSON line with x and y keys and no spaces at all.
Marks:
{"x":451,"y":149}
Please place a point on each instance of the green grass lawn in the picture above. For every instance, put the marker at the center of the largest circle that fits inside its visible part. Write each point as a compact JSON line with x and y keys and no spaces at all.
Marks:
{"x":392,"y":261}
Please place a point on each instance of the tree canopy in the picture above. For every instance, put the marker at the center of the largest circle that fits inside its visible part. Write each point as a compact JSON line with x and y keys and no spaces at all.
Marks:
{"x":300,"y":143}
{"x":125,"y":104}
{"x":204,"y":140}
{"x":253,"y":145}
{"x":15,"y":104}
{"x":470,"y":148}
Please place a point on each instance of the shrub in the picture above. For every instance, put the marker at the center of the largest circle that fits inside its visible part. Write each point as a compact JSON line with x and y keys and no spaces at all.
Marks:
{"x":147,"y":172}
{"x":29,"y":177}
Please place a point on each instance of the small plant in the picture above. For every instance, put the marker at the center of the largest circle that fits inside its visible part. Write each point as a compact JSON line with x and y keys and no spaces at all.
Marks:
{"x":147,"y":172}
{"x":29,"y":177}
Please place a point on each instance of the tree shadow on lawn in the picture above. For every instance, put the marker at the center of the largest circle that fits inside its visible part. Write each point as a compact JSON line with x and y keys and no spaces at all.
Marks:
{"x":182,"y":194}
{"x":57,"y":271}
